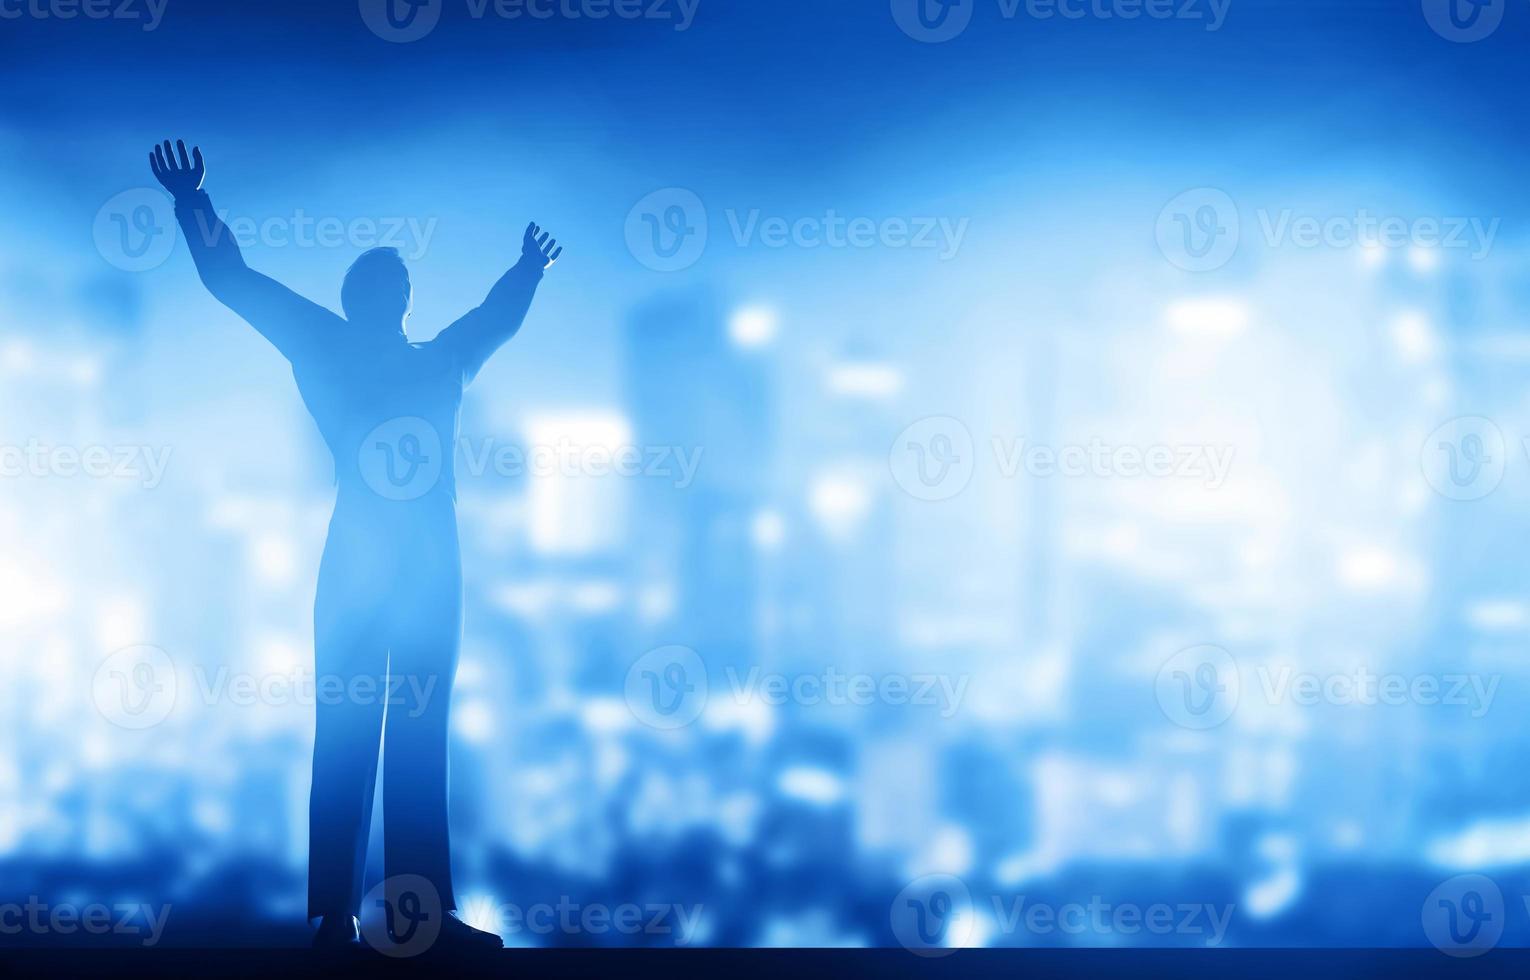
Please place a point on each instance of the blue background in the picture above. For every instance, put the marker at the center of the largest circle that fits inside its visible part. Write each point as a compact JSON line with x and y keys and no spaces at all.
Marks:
{"x":1061,"y":774}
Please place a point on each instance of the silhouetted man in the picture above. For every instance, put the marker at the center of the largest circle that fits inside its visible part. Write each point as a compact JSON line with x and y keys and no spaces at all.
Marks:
{"x":389,"y":600}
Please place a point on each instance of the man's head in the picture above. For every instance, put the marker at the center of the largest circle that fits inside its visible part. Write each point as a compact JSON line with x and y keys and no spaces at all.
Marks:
{"x":376,"y":289}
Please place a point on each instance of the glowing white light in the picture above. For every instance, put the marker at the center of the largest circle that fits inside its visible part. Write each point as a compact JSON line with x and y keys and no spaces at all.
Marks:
{"x":812,"y":785}
{"x":1414,"y":337}
{"x":27,"y":594}
{"x":480,"y":911}
{"x":575,"y":503}
{"x":752,"y":326}
{"x":754,"y":717}
{"x":120,"y":621}
{"x":280,"y":655}
{"x":656,"y":601}
{"x":606,"y":715}
{"x":1372,"y":255}
{"x":839,"y":503}
{"x":1368,"y":568}
{"x":1423,"y":259}
{"x":768,"y":529}
{"x":1270,"y":896}
{"x":1483,"y":844}
{"x":1209,"y":316}
{"x":1497,"y":615}
{"x":16,"y":357}
{"x":865,"y":380}
{"x":273,"y":558}
{"x":474,"y":721}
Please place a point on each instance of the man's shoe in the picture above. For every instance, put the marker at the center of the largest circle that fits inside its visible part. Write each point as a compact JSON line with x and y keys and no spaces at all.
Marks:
{"x":337,"y":932}
{"x":458,"y":935}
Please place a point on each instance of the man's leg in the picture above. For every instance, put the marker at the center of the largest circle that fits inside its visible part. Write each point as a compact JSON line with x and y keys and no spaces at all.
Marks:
{"x":348,"y":730}
{"x":422,"y":667}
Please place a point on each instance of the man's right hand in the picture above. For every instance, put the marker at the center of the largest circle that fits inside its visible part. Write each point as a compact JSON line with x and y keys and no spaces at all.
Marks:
{"x":179,"y":179}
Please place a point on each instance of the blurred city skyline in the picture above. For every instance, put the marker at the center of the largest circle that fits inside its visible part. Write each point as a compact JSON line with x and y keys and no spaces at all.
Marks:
{"x":1080,"y":456}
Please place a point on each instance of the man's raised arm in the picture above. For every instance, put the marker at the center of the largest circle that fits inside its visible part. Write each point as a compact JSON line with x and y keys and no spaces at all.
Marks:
{"x":286,"y":319}
{"x":480,"y":333}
